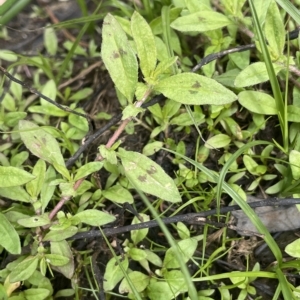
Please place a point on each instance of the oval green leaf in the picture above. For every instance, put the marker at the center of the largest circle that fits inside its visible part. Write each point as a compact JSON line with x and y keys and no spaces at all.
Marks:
{"x":258,"y":102}
{"x":254,"y":74}
{"x":194,"y":89}
{"x":201,"y":21}
{"x":145,"y":43}
{"x":11,"y":176}
{"x":118,"y":57}
{"x":88,"y":169}
{"x":148,"y":176}
{"x":24,"y":269}
{"x":94,"y":217}
{"x":9,"y":238}
{"x":40,"y":143}
{"x":218,"y":141}
{"x":118,"y":194}
{"x":35,"y":221}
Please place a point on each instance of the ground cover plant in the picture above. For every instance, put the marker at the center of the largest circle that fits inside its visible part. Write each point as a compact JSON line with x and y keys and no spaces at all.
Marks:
{"x":129,"y":133}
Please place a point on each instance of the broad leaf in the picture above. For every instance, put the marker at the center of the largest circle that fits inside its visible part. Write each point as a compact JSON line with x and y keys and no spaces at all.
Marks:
{"x":218,"y":141}
{"x":194,"y":89}
{"x":36,"y":294}
{"x":139,"y":280}
{"x":138,"y":235}
{"x":60,"y":235}
{"x":118,"y":194}
{"x":293,"y":113}
{"x":24,"y":269}
{"x":258,"y":102}
{"x":186,"y":247}
{"x":293,"y":249}
{"x":40,"y":143}
{"x":17,"y":193}
{"x":34,"y":187}
{"x":118,"y":57}
{"x":201,"y":21}
{"x":88,"y":169}
{"x":9,"y":238}
{"x":63,"y":248}
{"x":294,"y":159}
{"x":275,"y":32}
{"x":113,"y":273}
{"x":35,"y":221}
{"x":94,"y":217}
{"x":254,"y":74}
{"x":11,"y":176}
{"x":56,"y":259}
{"x":148,"y":176}
{"x":145,"y":43}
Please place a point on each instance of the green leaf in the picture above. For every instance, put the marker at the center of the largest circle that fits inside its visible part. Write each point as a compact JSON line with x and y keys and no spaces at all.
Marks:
{"x":274,"y":31}
{"x":50,"y":90}
{"x":138,"y":235}
{"x":11,"y":176}
{"x":187,"y":248}
{"x":139,"y":280}
{"x":118,"y":57}
{"x":24,"y":269}
{"x":37,"y":294}
{"x":40,"y":143}
{"x":50,"y":40}
{"x":194,"y":89}
{"x":113,"y":273}
{"x":293,"y":249}
{"x":47,"y":189}
{"x":177,"y":282}
{"x":35,"y":221}
{"x":118,"y":194}
{"x":34,"y":187}
{"x":63,"y":248}
{"x":254,"y":74}
{"x":88,"y":169}
{"x":145,"y":43}
{"x":152,"y":148}
{"x":131,"y":111}
{"x":218,"y":141}
{"x":8,"y":55}
{"x":148,"y":176}
{"x":164,"y":67}
{"x":56,"y":259}
{"x":294,"y":159}
{"x":293,"y":113}
{"x":258,"y":102}
{"x":60,"y":235}
{"x":9,"y":238}
{"x":201,"y":22}
{"x":94,"y":217}
{"x":17,"y":193}
{"x":137,"y":254}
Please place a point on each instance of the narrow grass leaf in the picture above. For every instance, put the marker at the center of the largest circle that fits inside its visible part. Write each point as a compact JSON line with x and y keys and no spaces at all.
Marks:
{"x":145,"y":43}
{"x":254,"y":74}
{"x":258,"y":102}
{"x":40,"y":143}
{"x":201,"y":21}
{"x":119,"y":57}
{"x":194,"y":89}
{"x":9,"y":238}
{"x":11,"y":176}
{"x":148,"y":176}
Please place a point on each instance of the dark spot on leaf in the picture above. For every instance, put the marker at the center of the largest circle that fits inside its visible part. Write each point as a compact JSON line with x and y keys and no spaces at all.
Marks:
{"x":122,"y":52}
{"x":196,"y":85}
{"x":193,"y":92}
{"x":36,"y":219}
{"x":44,"y":141}
{"x":152,"y":170}
{"x":106,"y":23}
{"x":201,"y":19}
{"x":116,"y":55}
{"x":142,"y":178}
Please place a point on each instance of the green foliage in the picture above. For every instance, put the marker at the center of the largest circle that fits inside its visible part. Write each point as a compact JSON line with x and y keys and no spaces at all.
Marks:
{"x":204,"y":141}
